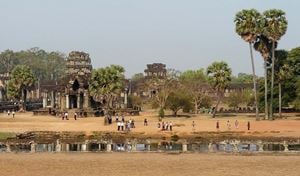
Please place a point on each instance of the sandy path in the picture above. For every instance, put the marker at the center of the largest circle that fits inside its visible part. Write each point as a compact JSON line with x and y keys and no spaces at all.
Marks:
{"x":147,"y":164}
{"x":28,"y":122}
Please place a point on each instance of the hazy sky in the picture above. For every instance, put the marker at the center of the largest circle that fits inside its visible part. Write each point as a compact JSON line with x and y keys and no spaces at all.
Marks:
{"x":184,"y":34}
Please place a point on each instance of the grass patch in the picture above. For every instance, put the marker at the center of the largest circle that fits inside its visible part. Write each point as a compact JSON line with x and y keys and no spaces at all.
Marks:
{"x":5,"y":135}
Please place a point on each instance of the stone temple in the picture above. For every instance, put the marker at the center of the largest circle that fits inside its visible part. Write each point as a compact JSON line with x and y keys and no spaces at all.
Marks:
{"x":71,"y":92}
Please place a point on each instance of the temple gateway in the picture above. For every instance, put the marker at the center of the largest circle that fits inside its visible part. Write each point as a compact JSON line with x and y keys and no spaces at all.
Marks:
{"x":70,"y":92}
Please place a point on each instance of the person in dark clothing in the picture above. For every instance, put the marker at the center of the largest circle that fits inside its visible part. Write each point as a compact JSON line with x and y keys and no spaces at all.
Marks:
{"x":145,"y":122}
{"x":75,"y":116}
{"x":248,"y":125}
{"x":218,"y":125}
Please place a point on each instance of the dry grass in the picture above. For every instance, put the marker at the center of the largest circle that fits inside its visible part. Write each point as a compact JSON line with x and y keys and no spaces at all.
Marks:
{"x":90,"y":164}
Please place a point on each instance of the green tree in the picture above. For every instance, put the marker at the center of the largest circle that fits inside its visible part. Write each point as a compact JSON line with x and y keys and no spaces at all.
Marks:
{"x":264,"y":46}
{"x":219,"y":76}
{"x":248,"y":26}
{"x":106,"y":84}
{"x":275,"y":26}
{"x":21,"y":79}
{"x":178,"y":100}
{"x":285,"y":73}
{"x":193,"y":82}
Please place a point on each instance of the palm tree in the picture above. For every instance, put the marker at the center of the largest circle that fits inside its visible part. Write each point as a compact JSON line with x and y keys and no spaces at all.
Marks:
{"x":248,"y":26}
{"x":275,"y":26}
{"x":219,"y":76}
{"x":262,"y":45}
{"x":21,"y":79}
{"x":285,"y":73}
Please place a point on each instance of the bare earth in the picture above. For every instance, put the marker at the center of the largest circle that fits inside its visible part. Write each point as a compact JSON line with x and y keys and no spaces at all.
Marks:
{"x":90,"y":164}
{"x":27,"y":122}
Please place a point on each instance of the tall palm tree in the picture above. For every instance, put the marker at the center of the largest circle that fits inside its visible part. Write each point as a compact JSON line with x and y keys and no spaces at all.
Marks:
{"x":275,"y":26}
{"x":248,"y":26}
{"x":262,"y":45}
{"x":219,"y":76}
{"x":285,"y":72}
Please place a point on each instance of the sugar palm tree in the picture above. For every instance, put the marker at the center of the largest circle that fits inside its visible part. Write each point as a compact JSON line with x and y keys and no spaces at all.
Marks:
{"x":22,"y":78}
{"x":263,"y":45}
{"x":275,"y":26}
{"x":248,"y":26}
{"x":219,"y":76}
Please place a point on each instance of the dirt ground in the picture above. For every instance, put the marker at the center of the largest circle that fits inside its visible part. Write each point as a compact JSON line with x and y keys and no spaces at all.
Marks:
{"x":27,"y":122}
{"x":80,"y":164}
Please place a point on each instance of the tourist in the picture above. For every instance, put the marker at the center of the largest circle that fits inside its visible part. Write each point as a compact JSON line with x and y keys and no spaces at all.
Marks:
{"x":171,"y":126}
{"x":248,"y":125}
{"x":75,"y":116}
{"x":119,"y":125}
{"x":145,"y":122}
{"x":117,"y":118}
{"x":167,"y":126}
{"x":218,"y":125}
{"x":163,"y":126}
{"x":13,"y":114}
{"x":132,"y":124}
{"x":228,"y":125}
{"x":123,"y":119}
{"x":66,"y":115}
{"x":236,"y":124}
{"x":193,"y":125}
{"x":122,"y":126}
{"x":62,"y":116}
{"x":8,"y":112}
{"x":158,"y":125}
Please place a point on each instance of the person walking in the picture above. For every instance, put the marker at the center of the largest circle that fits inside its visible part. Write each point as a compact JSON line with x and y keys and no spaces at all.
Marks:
{"x":236,"y":124}
{"x":218,"y":125}
{"x":228,"y":125}
{"x":248,"y":125}
{"x":8,"y":112}
{"x":66,"y":116}
{"x":75,"y":116}
{"x":145,"y":122}
{"x":171,"y":126}
{"x":193,"y":125}
{"x":13,"y":114}
{"x":119,"y":125}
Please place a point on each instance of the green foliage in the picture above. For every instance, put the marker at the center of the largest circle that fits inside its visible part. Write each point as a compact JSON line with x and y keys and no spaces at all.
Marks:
{"x":106,"y":84}
{"x":21,"y":79}
{"x":44,"y":65}
{"x":236,"y":99}
{"x":178,"y":100}
{"x":161,"y":113}
{"x":248,"y":24}
{"x":293,"y":59}
{"x":275,"y":24}
{"x":137,"y":77}
{"x":219,"y":75}
{"x":242,"y":78}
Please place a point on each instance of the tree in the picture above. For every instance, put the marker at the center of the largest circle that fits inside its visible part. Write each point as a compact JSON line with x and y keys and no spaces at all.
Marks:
{"x":106,"y":84}
{"x":242,"y":78}
{"x":285,"y":73}
{"x":248,"y":26}
{"x":193,"y":81}
{"x":264,"y":46}
{"x":161,"y":88}
{"x":219,"y":76}
{"x":236,"y":99}
{"x":275,"y":26}
{"x":178,"y":100}
{"x":21,"y":79}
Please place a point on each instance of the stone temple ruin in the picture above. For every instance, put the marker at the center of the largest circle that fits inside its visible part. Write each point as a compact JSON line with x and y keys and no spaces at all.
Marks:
{"x":71,"y":92}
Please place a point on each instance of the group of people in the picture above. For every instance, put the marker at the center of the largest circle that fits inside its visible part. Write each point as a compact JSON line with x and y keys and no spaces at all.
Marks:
{"x":165,"y":126}
{"x":65,"y":115}
{"x":13,"y":113}
{"x":124,"y":125}
{"x":228,"y":125}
